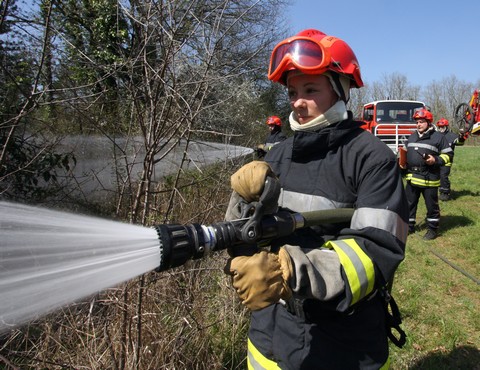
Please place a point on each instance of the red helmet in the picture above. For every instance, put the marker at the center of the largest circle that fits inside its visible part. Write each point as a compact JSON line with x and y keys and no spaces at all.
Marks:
{"x":423,"y":113}
{"x":274,"y":120}
{"x":442,"y":122}
{"x":313,"y":52}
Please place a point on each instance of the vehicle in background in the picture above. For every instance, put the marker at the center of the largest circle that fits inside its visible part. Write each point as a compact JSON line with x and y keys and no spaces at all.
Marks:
{"x":391,"y":120}
{"x":467,"y":116}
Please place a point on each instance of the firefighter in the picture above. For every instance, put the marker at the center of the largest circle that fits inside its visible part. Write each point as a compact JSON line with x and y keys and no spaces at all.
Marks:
{"x":427,"y":152}
{"x":453,"y":140}
{"x":275,"y":136}
{"x":317,"y":296}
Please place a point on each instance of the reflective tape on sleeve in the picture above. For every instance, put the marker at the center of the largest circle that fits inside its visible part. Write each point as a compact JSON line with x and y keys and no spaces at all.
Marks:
{"x":357,"y":265}
{"x":383,"y":219}
{"x":257,"y":361}
{"x":446,"y":158}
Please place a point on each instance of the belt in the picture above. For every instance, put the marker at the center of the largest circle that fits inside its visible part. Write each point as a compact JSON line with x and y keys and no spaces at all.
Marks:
{"x":416,"y":169}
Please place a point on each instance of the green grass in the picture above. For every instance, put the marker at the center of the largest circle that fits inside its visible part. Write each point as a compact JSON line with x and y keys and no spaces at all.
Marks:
{"x":440,"y":298}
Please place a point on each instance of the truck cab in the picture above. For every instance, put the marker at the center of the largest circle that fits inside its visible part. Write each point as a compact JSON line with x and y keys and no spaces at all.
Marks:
{"x":391,"y":120}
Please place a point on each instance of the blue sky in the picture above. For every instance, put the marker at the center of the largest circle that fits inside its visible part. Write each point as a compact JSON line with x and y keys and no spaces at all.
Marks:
{"x":424,"y":40}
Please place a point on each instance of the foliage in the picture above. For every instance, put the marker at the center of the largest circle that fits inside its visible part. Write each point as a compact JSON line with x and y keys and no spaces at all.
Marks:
{"x":166,"y":71}
{"x":31,"y":170}
{"x":15,"y":73}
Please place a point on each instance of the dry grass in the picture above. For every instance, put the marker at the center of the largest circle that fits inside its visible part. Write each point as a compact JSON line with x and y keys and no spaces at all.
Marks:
{"x":185,"y":318}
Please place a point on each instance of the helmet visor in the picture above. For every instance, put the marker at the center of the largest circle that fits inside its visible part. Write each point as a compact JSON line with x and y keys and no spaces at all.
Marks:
{"x":420,"y":114}
{"x":303,"y":54}
{"x":423,"y":114}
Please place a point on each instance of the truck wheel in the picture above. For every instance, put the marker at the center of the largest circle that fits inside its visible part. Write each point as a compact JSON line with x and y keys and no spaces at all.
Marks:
{"x":464,"y":116}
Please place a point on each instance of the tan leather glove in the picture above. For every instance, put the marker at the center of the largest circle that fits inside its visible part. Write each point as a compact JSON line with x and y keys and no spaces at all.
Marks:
{"x":262,"y":279}
{"x":249,"y":180}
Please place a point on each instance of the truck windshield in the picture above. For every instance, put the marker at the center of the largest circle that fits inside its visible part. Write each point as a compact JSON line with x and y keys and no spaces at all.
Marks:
{"x":396,"y":111}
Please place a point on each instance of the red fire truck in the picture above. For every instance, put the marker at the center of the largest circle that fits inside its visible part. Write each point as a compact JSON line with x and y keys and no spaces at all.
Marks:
{"x":391,"y":120}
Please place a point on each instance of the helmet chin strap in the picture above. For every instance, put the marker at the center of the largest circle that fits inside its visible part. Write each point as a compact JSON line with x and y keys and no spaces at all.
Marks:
{"x":341,"y":85}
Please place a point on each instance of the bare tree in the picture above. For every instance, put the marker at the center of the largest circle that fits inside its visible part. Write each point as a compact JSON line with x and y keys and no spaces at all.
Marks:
{"x":445,"y":95}
{"x":190,"y":63}
{"x":184,"y":71}
{"x":358,"y":97}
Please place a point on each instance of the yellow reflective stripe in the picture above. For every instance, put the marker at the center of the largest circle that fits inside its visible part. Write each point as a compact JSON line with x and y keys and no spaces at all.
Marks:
{"x":257,"y":361}
{"x":386,"y":365}
{"x":423,"y":182}
{"x":446,"y":158}
{"x":357,"y":266}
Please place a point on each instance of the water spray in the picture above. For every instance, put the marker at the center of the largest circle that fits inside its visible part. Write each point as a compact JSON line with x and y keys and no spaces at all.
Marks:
{"x":50,"y":259}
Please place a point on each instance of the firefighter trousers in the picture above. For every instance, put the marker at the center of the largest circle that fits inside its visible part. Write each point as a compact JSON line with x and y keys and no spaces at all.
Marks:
{"x":431,"y":202}
{"x":444,"y":180}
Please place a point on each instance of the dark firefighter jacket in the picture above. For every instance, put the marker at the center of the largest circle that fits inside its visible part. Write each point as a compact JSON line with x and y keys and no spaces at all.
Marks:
{"x":338,"y":166}
{"x":274,"y":138}
{"x":453,"y":140}
{"x":430,"y":143}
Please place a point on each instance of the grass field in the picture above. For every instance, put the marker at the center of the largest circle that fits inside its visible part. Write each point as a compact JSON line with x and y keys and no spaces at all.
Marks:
{"x":437,"y":286}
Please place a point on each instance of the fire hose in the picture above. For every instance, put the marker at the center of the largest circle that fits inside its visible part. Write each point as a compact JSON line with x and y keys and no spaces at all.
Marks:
{"x":180,"y":243}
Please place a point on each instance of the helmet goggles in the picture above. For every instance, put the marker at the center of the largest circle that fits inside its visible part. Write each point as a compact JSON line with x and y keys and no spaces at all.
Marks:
{"x":442,"y":122}
{"x":423,"y":114}
{"x":303,"y":53}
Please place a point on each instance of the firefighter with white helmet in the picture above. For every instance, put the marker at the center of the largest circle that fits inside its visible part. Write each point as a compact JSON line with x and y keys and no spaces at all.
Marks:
{"x":317,"y":296}
{"x":453,"y":140}
{"x":427,"y":152}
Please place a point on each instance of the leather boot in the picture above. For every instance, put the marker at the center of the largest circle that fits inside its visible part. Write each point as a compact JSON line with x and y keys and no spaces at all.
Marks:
{"x":430,"y":235}
{"x":444,"y":196}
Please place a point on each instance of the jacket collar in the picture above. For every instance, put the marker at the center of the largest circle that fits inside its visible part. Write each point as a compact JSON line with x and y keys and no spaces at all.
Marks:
{"x":429,"y":132}
{"x":313,"y":145}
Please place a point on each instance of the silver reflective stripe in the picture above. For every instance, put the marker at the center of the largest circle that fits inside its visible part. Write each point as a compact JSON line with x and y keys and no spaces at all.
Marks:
{"x":357,"y":264}
{"x":257,"y":361}
{"x":424,"y":146}
{"x":383,"y":219}
{"x":253,"y":364}
{"x":300,"y":202}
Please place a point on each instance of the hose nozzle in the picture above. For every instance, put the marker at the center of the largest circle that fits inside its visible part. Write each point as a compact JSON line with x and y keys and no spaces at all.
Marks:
{"x":180,"y":243}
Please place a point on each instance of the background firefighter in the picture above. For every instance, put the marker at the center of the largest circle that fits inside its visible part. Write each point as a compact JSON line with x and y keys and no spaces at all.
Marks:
{"x":427,"y":152}
{"x":317,"y":296}
{"x":453,"y":140}
{"x":274,"y":137}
